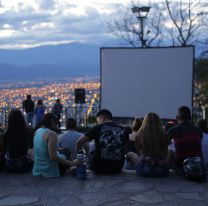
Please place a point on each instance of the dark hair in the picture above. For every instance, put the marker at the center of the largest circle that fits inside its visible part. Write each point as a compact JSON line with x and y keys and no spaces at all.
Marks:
{"x":71,"y":123}
{"x":47,"y":121}
{"x":202,"y":124}
{"x":106,"y":113}
{"x":28,"y":96}
{"x":16,"y":121}
{"x":58,"y":100}
{"x":137,"y":123}
{"x":184,"y":113}
{"x":40,"y":102}
{"x":16,"y":135}
{"x":169,"y":125}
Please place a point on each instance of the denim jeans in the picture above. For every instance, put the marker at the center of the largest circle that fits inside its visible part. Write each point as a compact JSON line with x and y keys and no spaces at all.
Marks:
{"x":152,"y":168}
{"x":29,"y":117}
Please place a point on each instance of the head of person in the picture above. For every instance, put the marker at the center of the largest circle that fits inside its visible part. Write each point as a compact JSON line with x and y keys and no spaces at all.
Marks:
{"x":49,"y":121}
{"x":103,"y":115}
{"x":16,"y":121}
{"x":169,"y":125}
{"x":28,"y":97}
{"x":40,"y":102}
{"x":137,"y":123}
{"x":184,"y":114}
{"x":202,"y":124}
{"x":151,"y":138}
{"x":71,"y":124}
{"x":58,"y":101}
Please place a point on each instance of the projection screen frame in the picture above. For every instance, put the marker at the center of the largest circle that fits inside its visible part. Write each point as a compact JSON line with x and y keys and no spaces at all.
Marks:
{"x":146,"y":48}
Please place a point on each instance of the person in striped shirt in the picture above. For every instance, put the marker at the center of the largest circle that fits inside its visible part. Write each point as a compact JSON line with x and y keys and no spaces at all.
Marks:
{"x":186,"y":138}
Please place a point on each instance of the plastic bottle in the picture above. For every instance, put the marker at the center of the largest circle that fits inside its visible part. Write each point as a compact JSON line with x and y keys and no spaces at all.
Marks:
{"x":81,"y":169}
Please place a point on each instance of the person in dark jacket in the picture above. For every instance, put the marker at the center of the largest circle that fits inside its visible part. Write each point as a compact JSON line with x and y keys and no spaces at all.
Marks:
{"x":29,"y":106}
{"x":57,"y":111}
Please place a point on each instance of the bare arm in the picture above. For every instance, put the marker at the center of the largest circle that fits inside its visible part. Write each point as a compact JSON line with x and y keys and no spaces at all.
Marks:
{"x":87,"y":148}
{"x":52,"y":149}
{"x":82,"y":141}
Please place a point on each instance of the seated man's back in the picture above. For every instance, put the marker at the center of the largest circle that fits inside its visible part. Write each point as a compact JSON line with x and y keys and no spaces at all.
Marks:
{"x":110,"y":140}
{"x":69,"y":140}
{"x":186,"y":137}
{"x":187,"y":140}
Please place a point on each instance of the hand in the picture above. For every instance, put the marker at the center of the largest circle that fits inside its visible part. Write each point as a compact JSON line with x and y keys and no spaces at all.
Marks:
{"x":78,"y":162}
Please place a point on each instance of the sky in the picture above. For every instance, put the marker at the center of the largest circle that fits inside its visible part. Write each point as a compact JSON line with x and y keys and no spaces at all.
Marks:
{"x":30,"y":23}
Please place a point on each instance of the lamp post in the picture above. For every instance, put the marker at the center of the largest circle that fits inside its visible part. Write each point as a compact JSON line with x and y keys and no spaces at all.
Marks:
{"x":141,"y":13}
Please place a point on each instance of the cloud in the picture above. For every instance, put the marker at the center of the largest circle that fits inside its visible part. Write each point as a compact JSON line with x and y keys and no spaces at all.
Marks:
{"x":53,"y":21}
{"x":46,"y":4}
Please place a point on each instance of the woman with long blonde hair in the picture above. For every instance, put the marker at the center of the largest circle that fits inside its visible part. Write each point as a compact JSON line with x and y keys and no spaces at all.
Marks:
{"x":151,"y":142}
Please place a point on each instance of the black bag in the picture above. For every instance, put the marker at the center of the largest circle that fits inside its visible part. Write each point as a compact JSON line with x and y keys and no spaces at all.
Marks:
{"x":194,"y":168}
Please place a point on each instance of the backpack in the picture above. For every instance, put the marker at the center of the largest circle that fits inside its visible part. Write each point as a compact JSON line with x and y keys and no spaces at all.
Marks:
{"x":194,"y":168}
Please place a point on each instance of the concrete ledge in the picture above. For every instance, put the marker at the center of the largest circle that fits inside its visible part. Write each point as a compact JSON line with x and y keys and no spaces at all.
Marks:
{"x":123,"y":189}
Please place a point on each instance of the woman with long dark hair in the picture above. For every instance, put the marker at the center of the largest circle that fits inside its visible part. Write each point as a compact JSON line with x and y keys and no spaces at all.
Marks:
{"x":48,"y":161}
{"x":16,"y":143}
{"x":151,"y":142}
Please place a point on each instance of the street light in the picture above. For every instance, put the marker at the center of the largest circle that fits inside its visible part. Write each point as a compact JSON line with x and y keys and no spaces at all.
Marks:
{"x":141,"y":13}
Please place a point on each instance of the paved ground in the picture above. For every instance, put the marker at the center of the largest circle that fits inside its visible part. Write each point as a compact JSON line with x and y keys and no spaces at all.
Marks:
{"x":121,"y":190}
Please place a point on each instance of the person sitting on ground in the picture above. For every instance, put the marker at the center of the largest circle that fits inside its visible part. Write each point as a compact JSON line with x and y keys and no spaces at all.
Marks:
{"x":202,"y":124}
{"x":137,"y":123}
{"x":171,"y":147}
{"x":69,"y":139}
{"x":39,"y":111}
{"x":16,"y":144}
{"x":110,"y":140}
{"x":152,"y":145}
{"x":48,"y":160}
{"x":131,"y":143}
{"x":186,"y":138}
{"x":169,"y":125}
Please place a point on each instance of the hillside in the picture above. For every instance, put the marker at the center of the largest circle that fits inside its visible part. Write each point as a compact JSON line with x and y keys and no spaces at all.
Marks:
{"x":73,"y":59}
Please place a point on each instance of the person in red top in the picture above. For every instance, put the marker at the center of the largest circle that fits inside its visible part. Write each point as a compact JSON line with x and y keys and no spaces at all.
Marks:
{"x":186,"y":138}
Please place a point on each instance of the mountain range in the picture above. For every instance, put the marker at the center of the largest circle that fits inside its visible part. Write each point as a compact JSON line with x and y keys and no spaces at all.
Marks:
{"x":65,"y":60}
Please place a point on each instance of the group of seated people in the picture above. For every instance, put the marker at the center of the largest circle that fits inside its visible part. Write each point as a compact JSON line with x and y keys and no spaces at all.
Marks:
{"x":149,"y":148}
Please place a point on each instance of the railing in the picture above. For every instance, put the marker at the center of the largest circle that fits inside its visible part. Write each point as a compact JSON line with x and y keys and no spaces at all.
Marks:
{"x":84,"y":115}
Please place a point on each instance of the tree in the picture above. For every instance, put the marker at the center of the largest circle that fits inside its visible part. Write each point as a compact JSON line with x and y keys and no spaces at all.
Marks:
{"x":200,"y":96}
{"x":127,"y":27}
{"x":189,"y":23}
{"x":201,"y":70}
{"x":170,"y":23}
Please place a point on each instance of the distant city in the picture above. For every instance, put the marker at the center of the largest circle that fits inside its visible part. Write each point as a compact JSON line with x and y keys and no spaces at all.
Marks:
{"x":12,"y":94}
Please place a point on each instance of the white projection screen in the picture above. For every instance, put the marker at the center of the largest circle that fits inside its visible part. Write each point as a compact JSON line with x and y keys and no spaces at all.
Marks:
{"x":135,"y":81}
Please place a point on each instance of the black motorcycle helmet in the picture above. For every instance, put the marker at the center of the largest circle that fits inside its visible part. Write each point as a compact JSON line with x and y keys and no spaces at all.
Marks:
{"x":195,"y":169}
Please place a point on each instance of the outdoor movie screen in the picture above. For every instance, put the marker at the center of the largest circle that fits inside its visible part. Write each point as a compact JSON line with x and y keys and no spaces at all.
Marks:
{"x":135,"y":81}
